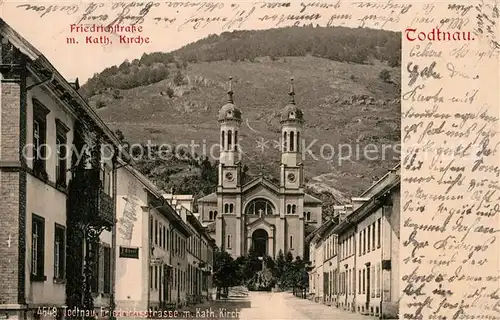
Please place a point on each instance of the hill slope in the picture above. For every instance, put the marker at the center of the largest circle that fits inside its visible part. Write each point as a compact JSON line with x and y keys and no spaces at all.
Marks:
{"x":164,"y":99}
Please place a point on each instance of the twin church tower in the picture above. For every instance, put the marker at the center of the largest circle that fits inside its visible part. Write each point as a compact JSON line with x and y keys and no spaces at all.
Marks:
{"x":259,"y":213}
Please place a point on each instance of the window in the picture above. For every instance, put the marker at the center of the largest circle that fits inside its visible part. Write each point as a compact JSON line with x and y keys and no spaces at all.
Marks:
{"x":360,"y":243}
{"x":210,"y":215}
{"x":40,"y":113}
{"x":298,"y":141}
{"x":226,"y":208}
{"x":61,"y":161}
{"x":288,"y":209}
{"x":59,"y":251}
{"x":164,"y":237}
{"x":308,"y":216}
{"x":151,"y":230}
{"x":294,"y":209}
{"x":229,"y":140}
{"x":359,"y":280}
{"x":95,"y":255}
{"x":378,"y":280}
{"x":231,"y":208}
{"x":156,"y":232}
{"x":373,"y":236}
{"x":107,"y":269}
{"x":223,"y":146}
{"x":106,"y":178}
{"x":284,"y":141}
{"x":260,"y":206}
{"x":229,"y":241}
{"x":364,"y":241}
{"x":291,"y":242}
{"x":151,"y":277}
{"x":378,"y":233}
{"x":235,"y":140}
{"x":368,"y":238}
{"x":156,"y":278}
{"x":364,"y":283}
{"x":160,"y":235}
{"x":37,"y":248}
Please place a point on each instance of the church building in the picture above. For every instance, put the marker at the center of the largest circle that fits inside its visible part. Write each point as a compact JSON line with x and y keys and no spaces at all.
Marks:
{"x":259,"y":213}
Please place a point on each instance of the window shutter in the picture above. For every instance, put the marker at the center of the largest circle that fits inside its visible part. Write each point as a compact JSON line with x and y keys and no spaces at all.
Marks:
{"x":62,"y":255}
{"x":41,"y":249}
{"x":101,"y":269}
{"x":107,"y":270}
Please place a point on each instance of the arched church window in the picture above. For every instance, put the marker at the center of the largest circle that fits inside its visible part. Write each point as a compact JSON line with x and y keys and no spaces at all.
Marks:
{"x":308,"y":216}
{"x":291,"y":242}
{"x":236,"y":140}
{"x":284,"y":141}
{"x":229,"y":241}
{"x":298,"y":141}
{"x":223,"y":146}
{"x":226,"y":208}
{"x":231,"y":208}
{"x":291,"y":141}
{"x":260,"y":206}
{"x":294,"y":209}
{"x":229,"y":140}
{"x":288,"y":209}
{"x":211,"y":215}
{"x":215,"y":214}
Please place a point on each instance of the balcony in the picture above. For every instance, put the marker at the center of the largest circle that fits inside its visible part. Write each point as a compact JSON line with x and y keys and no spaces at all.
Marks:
{"x":95,"y":205}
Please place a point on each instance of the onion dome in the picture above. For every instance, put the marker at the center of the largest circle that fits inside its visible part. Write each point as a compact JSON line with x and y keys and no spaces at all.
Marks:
{"x":229,"y":111}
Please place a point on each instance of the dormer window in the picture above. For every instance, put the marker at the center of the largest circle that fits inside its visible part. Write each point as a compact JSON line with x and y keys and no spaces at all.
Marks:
{"x":292,"y":115}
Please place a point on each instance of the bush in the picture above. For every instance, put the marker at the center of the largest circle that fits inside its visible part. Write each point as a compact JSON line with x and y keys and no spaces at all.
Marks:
{"x":179,"y":78}
{"x":385,"y":75}
{"x":100,"y":104}
{"x":170,"y":92}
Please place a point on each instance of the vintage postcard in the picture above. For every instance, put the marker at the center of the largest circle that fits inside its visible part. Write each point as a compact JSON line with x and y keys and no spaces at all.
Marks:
{"x":249,"y":159}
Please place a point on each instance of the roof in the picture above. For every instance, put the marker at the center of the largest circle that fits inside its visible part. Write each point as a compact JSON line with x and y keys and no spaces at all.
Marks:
{"x":39,"y":61}
{"x":209,"y":198}
{"x":319,"y":232}
{"x":292,"y":112}
{"x":229,"y":112}
{"x":159,"y":202}
{"x":367,"y":192}
{"x":366,"y":208}
{"x":311,"y":199}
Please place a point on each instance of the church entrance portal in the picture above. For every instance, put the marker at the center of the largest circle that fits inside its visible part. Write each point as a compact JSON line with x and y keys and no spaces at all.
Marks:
{"x":259,"y":242}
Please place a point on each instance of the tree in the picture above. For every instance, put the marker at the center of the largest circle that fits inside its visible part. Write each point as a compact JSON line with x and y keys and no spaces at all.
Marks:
{"x":224,"y":271}
{"x":280,"y":265}
{"x":252,"y":264}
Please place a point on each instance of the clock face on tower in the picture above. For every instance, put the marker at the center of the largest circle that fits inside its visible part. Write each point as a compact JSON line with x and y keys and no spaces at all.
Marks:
{"x":229,"y":176}
{"x":291,"y":177}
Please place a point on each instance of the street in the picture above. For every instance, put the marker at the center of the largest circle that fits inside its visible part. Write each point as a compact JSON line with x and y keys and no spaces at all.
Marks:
{"x":244,"y":305}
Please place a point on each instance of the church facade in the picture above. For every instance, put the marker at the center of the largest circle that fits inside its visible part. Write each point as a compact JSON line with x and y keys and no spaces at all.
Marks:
{"x":259,"y":213}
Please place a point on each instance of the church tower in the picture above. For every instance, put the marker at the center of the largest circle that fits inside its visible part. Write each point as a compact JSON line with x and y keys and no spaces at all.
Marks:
{"x":292,"y":121}
{"x":230,"y":123}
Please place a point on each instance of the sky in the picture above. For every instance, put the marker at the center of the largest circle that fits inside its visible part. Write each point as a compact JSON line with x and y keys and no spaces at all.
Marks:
{"x":47,"y":25}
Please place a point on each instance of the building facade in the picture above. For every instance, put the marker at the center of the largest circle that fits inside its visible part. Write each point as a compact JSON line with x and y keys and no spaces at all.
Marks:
{"x":57,"y":189}
{"x":259,"y":213}
{"x":360,"y":269}
{"x":162,"y":259}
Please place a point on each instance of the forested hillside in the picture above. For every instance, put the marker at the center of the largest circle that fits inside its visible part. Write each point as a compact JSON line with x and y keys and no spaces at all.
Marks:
{"x":347,"y":84}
